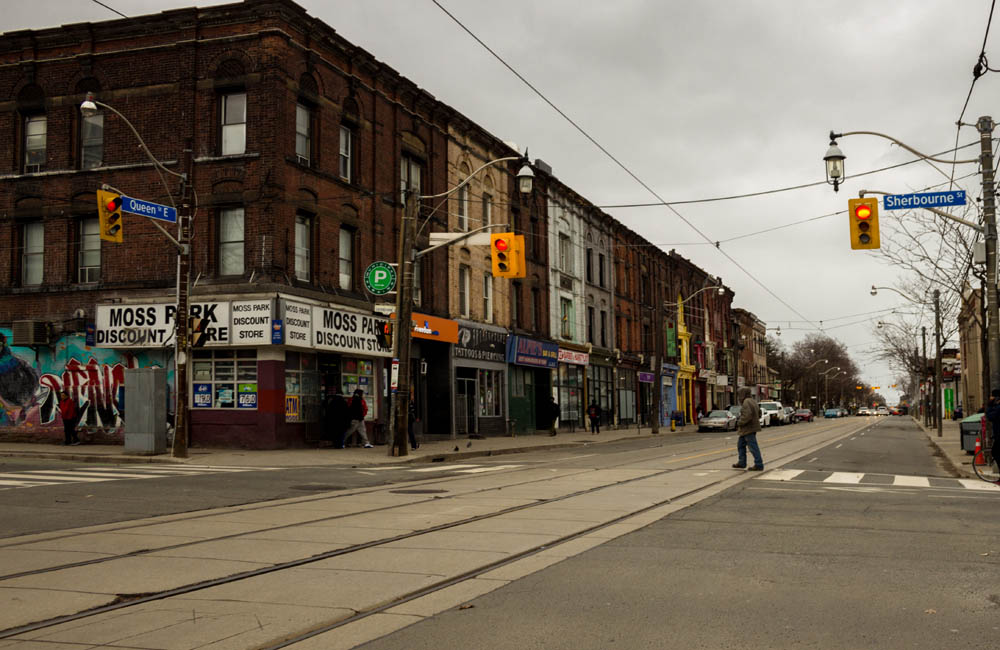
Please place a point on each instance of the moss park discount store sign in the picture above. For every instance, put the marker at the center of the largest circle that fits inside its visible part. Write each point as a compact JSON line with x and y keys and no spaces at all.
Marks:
{"x":243,"y":323}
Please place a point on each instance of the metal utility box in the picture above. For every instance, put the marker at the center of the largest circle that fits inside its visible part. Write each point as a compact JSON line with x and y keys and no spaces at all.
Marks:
{"x":145,"y":411}
{"x":971,"y":428}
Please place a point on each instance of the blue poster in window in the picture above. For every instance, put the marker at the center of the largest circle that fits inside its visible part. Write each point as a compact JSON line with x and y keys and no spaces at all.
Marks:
{"x":202,"y":396}
{"x":247,"y":398}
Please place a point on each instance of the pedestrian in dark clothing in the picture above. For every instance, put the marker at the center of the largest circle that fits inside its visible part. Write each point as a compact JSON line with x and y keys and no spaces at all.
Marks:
{"x":67,"y":410}
{"x":358,"y":409}
{"x":411,"y":417}
{"x":749,"y":425}
{"x":993,"y":416}
{"x":337,"y":418}
{"x":594,"y":413}
{"x":553,"y":408}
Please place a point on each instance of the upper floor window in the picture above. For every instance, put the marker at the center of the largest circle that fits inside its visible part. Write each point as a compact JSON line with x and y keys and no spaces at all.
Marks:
{"x":346,"y":251}
{"x":91,"y":141}
{"x":600,"y":269}
{"x":234,"y":124}
{"x":409,"y":176}
{"x":536,"y":298}
{"x":302,"y":249}
{"x":89,"y":253}
{"x":515,"y":304}
{"x":231,"y":242}
{"x":566,"y":318}
{"x":488,"y":298}
{"x":463,"y":291}
{"x":487,"y":209}
{"x":565,"y":254}
{"x":35,"y":131}
{"x":463,"y":208}
{"x":303,"y":134}
{"x":346,"y":153}
{"x":590,"y":265}
{"x":590,"y":325}
{"x":33,"y":253}
{"x":604,"y":329}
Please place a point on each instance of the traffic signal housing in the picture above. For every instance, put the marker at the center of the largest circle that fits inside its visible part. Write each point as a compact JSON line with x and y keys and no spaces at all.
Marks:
{"x":109,"y":213}
{"x":507,"y":261}
{"x":863,"y":217}
{"x":383,"y":335}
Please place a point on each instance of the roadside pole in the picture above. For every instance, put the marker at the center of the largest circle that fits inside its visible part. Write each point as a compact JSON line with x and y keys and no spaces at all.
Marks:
{"x":985,"y":125}
{"x":182,"y":347}
{"x":924,"y":405}
{"x":938,"y":382}
{"x":402,"y":327}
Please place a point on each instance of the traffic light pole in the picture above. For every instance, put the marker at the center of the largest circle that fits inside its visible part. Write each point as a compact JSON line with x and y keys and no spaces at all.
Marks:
{"x":182,"y":339}
{"x":985,"y":125}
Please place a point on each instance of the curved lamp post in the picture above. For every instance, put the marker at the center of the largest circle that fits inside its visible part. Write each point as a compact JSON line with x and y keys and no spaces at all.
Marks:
{"x":825,"y":377}
{"x":88,"y":108}
{"x":404,"y":297}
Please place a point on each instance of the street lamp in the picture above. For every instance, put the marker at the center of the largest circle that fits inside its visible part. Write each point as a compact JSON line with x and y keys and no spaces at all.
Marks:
{"x":835,"y":175}
{"x":88,"y":108}
{"x":825,"y":377}
{"x":404,"y":297}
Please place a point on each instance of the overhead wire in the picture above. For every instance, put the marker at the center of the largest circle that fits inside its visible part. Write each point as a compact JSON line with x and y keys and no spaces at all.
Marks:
{"x":980,"y":69}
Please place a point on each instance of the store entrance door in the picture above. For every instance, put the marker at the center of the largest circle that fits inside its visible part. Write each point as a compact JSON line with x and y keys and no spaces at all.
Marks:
{"x":465,"y":405}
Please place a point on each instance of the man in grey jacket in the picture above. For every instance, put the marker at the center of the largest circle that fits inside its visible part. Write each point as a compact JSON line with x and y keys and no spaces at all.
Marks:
{"x":749,"y":425}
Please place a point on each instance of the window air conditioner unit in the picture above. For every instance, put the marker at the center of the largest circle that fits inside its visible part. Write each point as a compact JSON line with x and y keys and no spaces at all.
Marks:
{"x":28,"y":333}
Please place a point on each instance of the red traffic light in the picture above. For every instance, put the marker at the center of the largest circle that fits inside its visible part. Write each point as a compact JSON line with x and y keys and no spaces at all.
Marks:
{"x":500,"y":244}
{"x":862,"y":211}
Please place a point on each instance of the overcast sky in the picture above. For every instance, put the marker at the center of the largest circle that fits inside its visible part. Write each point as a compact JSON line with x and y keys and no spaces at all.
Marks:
{"x":699,"y":100}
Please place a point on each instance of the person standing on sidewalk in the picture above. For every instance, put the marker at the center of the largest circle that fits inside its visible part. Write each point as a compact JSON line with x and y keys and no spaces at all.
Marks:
{"x":358,"y":409}
{"x":337,"y":417}
{"x":594,"y":413}
{"x":67,"y":410}
{"x":749,"y":425}
{"x":553,"y":413}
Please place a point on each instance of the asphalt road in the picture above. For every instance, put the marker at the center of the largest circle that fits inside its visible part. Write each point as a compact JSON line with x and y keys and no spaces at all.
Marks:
{"x":802,"y":563}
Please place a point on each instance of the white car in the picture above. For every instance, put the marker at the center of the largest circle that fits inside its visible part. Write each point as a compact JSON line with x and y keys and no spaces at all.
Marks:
{"x":882,"y":411}
{"x":765,"y":419}
{"x":774,"y":411}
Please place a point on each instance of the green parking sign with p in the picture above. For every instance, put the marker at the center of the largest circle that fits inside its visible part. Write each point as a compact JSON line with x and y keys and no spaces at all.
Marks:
{"x":380,"y":278}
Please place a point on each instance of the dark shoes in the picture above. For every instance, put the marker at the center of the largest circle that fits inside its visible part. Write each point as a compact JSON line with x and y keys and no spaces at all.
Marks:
{"x":738,"y":466}
{"x":756,"y":468}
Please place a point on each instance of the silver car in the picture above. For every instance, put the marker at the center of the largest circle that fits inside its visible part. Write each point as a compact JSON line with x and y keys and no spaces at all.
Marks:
{"x":717,"y":421}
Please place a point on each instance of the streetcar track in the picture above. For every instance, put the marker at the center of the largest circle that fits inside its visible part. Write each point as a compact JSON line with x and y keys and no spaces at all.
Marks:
{"x":125,"y":601}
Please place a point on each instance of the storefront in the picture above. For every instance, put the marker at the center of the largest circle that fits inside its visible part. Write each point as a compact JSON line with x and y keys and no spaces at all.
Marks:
{"x":723,"y":393}
{"x":600,"y":386}
{"x":647,"y":384}
{"x":531,"y":363}
{"x":668,"y":392}
{"x":571,"y":387}
{"x":260,"y":366}
{"x":480,"y":368}
{"x":430,"y":373}
{"x":627,"y":390}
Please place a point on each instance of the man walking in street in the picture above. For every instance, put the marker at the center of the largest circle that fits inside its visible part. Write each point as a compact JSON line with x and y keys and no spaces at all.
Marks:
{"x":749,"y":425}
{"x":358,"y":409}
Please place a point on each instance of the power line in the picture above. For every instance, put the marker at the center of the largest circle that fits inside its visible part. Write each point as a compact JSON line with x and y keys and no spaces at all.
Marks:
{"x":109,"y":8}
{"x":616,"y":161}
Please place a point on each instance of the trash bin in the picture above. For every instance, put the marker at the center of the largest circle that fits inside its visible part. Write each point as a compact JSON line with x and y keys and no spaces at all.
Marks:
{"x":971,"y":428}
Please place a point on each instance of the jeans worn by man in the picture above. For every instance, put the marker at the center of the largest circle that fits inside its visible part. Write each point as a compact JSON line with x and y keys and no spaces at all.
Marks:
{"x":749,"y":425}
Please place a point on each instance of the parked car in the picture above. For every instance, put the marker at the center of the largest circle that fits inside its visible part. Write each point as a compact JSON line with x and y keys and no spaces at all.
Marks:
{"x":831,"y":413}
{"x":790,"y":415}
{"x":804,"y":414}
{"x":843,"y":412}
{"x":775,"y":412}
{"x":718,"y":421}
{"x":765,"y":419}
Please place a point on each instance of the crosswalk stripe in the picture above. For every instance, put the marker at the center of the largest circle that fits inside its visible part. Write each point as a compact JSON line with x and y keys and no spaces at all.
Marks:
{"x":911,"y":481}
{"x":976,"y":484}
{"x":22,"y":483}
{"x":27,"y":476}
{"x":844,"y":477}
{"x":782,"y":474}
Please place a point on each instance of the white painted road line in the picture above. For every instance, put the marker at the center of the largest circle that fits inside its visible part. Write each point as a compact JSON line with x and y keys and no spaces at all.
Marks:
{"x":911,"y":481}
{"x":479,"y":470}
{"x":976,"y":484}
{"x":781,"y":474}
{"x":42,"y":474}
{"x":844,"y":477}
{"x":52,"y":477}
{"x":439,"y":468}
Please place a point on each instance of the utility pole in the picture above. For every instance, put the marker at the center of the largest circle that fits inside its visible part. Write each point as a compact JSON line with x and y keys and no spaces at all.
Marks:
{"x":403,"y":327}
{"x":937,"y":361}
{"x":925,"y":405}
{"x":657,"y":355}
{"x":985,"y":125}
{"x":182,"y":341}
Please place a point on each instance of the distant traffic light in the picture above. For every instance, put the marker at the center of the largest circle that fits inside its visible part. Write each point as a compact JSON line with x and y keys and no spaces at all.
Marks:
{"x":863,"y":217}
{"x":109,"y":216}
{"x":503,"y":254}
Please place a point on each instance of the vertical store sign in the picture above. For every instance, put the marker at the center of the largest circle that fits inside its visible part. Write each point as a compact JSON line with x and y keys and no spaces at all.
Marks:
{"x":297,"y":320}
{"x":251,"y":322}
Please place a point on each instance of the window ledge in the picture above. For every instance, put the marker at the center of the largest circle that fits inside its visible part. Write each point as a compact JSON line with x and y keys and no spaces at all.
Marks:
{"x":103,"y":168}
{"x":235,"y":156}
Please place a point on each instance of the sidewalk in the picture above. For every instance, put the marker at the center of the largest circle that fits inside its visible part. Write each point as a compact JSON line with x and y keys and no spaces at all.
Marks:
{"x":429,"y":451}
{"x":950,"y":446}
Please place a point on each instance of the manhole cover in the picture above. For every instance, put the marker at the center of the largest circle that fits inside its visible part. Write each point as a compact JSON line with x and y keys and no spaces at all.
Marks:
{"x":418,"y":491}
{"x":317,"y":487}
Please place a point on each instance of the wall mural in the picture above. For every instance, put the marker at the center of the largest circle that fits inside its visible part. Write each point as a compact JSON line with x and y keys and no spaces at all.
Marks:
{"x":95,"y":377}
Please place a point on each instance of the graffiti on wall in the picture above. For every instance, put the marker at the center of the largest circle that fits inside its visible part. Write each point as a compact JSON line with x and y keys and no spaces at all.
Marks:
{"x":31,"y":381}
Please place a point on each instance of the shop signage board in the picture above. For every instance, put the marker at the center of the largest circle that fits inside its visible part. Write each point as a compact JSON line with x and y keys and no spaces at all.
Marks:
{"x":251,"y":322}
{"x":246,"y":397}
{"x":574,"y":357}
{"x":481,"y":344}
{"x":152,"y":325}
{"x":297,"y":320}
{"x":202,"y":396}
{"x":722,"y":380}
{"x":647,"y":378}
{"x":345,"y":331}
{"x":529,"y":352}
{"x":434,"y":328}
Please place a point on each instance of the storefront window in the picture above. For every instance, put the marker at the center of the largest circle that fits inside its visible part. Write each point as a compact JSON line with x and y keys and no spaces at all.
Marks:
{"x":570,"y":386}
{"x":302,"y":396}
{"x":224,"y":379}
{"x":359,"y":373}
{"x":600,"y":388}
{"x":491,"y":393}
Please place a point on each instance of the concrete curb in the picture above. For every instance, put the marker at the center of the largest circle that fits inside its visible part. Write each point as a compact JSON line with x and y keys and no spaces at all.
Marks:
{"x":942,"y":453}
